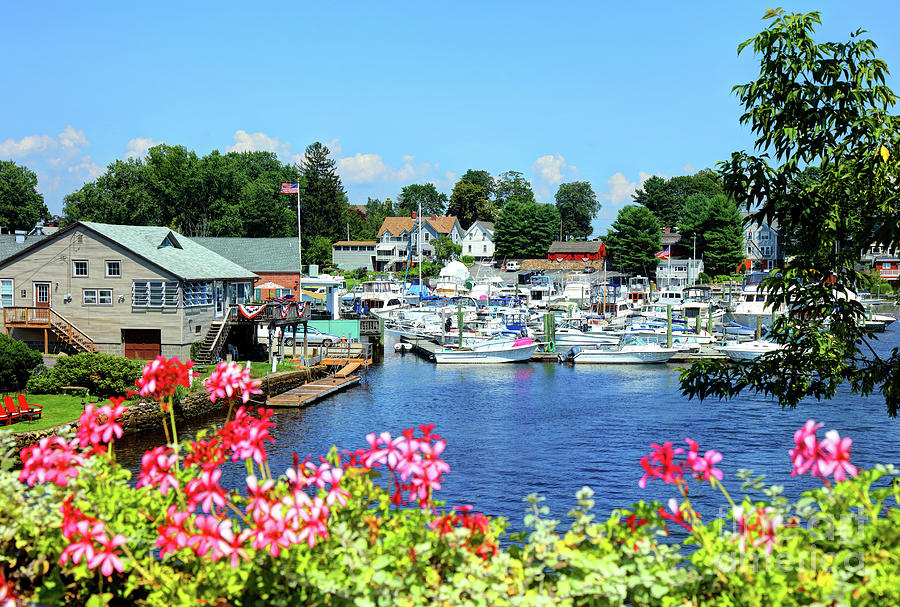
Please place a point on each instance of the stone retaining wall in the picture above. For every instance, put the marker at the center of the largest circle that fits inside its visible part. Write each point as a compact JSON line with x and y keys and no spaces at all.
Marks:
{"x":147,"y":415}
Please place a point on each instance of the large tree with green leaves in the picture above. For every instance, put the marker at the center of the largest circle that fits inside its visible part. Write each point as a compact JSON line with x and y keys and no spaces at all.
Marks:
{"x":483,"y":179}
{"x":823,"y":105}
{"x":633,"y":241}
{"x":235,"y":194}
{"x":411,"y":196}
{"x":512,"y":185}
{"x":525,"y":229}
{"x":469,"y":203}
{"x":666,"y":197}
{"x":21,"y":205}
{"x":445,"y":249}
{"x":577,"y":204}
{"x":323,"y":203}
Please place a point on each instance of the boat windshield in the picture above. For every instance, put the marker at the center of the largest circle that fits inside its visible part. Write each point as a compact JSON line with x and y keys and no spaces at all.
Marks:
{"x":639,"y":340}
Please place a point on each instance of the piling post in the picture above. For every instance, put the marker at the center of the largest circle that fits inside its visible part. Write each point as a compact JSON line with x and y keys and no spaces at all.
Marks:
{"x":709,"y":319}
{"x":459,"y":322}
{"x":550,"y":330}
{"x":758,"y":327}
{"x":668,"y":325}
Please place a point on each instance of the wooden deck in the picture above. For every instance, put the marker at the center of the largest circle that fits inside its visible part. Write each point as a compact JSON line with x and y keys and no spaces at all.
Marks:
{"x":312,"y":392}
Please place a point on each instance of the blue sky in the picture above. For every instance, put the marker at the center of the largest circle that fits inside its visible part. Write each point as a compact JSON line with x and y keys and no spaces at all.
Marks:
{"x":401,"y":93}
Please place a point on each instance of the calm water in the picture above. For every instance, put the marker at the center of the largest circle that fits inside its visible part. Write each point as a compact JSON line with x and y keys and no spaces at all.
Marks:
{"x":551,"y":429}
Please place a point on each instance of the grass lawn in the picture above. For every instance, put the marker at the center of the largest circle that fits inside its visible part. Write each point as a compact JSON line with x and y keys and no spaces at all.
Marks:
{"x":259,"y":369}
{"x":58,"y":409}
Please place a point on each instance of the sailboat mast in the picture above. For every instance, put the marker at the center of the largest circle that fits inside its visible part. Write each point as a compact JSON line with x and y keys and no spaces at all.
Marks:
{"x":420,"y":252}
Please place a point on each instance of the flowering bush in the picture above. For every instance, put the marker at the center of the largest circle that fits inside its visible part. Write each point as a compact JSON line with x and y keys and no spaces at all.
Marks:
{"x":364,"y":527}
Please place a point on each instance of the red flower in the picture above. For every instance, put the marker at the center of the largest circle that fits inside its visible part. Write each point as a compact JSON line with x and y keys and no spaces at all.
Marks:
{"x":205,"y":491}
{"x":661,"y":464}
{"x":231,"y":381}
{"x":107,"y":558}
{"x":207,"y":454}
{"x":173,"y":536}
{"x":676,"y":515}
{"x":161,"y":377}
{"x":156,"y":469}
{"x":51,"y":460}
{"x":245,"y":436}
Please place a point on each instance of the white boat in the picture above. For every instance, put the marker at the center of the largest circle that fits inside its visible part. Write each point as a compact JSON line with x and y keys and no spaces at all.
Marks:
{"x":489,"y":352}
{"x":631,"y":349}
{"x":567,"y":337}
{"x":750,"y":349}
{"x":578,"y":288}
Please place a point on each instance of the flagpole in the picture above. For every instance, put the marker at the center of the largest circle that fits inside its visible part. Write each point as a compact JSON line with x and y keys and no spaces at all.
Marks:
{"x":299,"y":250}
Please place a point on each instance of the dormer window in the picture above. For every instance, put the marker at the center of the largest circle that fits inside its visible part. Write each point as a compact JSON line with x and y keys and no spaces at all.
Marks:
{"x":169,"y":241}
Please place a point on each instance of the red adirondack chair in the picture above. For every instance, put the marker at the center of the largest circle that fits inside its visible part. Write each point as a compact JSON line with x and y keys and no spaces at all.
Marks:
{"x":11,"y":409}
{"x":32,"y":410}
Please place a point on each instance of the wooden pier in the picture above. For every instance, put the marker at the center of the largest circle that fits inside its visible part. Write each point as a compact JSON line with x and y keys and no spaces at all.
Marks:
{"x":314,"y":391}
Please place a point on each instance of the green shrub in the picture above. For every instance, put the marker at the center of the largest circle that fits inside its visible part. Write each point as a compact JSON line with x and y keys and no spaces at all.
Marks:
{"x":196,"y":347}
{"x":467,"y":260}
{"x":103,"y":374}
{"x":16,"y":362}
{"x":42,"y":381}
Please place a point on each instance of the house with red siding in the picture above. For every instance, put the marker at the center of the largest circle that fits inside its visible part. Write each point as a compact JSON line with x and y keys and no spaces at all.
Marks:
{"x":586,"y":251}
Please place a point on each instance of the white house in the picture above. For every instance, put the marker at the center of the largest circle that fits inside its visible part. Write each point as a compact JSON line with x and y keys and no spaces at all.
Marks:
{"x":478,"y":241}
{"x":678,"y":273}
{"x":398,"y":236}
{"x":761,"y":250}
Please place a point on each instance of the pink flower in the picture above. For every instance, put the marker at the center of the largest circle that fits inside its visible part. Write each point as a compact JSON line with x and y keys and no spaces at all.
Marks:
{"x":7,"y":596}
{"x":156,"y":469}
{"x":230,"y":380}
{"x":314,"y":518}
{"x":745,"y":529}
{"x":661,"y":464}
{"x":107,"y":558}
{"x":111,"y":414}
{"x":173,"y":536}
{"x":231,"y":545}
{"x":206,"y":491}
{"x":51,"y":460}
{"x":835,"y":456}
{"x":246,"y":436}
{"x":260,"y":502}
{"x":768,"y":530}
{"x":88,"y":429}
{"x":160,"y":377}
{"x":82,"y":536}
{"x":805,"y":455}
{"x":702,"y":467}
{"x":207,"y":537}
{"x":207,"y":454}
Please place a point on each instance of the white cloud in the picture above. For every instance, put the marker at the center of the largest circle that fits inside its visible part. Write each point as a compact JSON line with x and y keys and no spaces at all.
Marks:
{"x":258,"y":142}
{"x":369,"y":168}
{"x":87,"y":168}
{"x":551,"y":168}
{"x":689,"y":169}
{"x":69,"y":140}
{"x":137,"y":147}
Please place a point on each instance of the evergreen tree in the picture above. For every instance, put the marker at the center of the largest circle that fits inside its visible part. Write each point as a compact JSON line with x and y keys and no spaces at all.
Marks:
{"x":577,"y":204}
{"x":723,"y":237}
{"x":634,"y":240}
{"x":323,"y":203}
{"x":525,"y":229}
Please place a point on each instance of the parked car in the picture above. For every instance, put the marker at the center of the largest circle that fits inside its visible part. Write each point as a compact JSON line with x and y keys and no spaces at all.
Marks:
{"x":512,"y":266}
{"x":589,"y":270}
{"x":314,"y":336}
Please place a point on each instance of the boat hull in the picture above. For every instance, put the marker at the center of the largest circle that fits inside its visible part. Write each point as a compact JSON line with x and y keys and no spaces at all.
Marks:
{"x":623,"y":358}
{"x":484,"y":357}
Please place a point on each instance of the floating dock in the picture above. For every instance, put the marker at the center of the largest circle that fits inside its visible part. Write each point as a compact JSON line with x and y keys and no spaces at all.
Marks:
{"x":312,"y":392}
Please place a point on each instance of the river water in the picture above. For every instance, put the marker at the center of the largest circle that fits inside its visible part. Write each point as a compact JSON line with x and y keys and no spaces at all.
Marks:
{"x":551,"y":429}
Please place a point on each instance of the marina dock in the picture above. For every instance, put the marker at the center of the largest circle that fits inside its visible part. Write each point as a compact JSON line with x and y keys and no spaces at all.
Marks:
{"x":314,"y":391}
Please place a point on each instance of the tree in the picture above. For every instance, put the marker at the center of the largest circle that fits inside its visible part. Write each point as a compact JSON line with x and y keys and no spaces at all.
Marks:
{"x":823,"y":105}
{"x":723,"y":237}
{"x":512,"y":186}
{"x":319,"y":251}
{"x":468,"y":203}
{"x":432,"y":201}
{"x":236,"y":194}
{"x":525,"y":229}
{"x":21,"y":205}
{"x":634,"y":240}
{"x":694,"y":214}
{"x":16,"y":363}
{"x":665,"y":198}
{"x":323,"y":202}
{"x":483,"y":179}
{"x":445,"y":249}
{"x":577,"y":204}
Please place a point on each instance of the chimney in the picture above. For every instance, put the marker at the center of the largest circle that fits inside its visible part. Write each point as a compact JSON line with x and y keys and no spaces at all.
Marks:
{"x":667,"y":230}
{"x":433,"y":217}
{"x":20,"y":236}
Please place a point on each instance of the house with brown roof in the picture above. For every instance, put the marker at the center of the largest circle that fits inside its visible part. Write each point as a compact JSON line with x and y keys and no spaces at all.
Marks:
{"x":398,"y":238}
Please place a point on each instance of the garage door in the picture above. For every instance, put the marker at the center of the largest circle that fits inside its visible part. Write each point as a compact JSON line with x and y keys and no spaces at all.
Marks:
{"x":141,"y":343}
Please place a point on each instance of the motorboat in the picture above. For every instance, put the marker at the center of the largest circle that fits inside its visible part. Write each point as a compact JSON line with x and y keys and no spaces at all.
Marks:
{"x":489,"y":352}
{"x":578,"y":288}
{"x":754,"y":306}
{"x":750,"y":350}
{"x":635,"y":348}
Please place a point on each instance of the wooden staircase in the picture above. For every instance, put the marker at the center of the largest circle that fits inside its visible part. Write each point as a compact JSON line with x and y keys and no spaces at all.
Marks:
{"x":47,"y":319}
{"x":213,"y":342}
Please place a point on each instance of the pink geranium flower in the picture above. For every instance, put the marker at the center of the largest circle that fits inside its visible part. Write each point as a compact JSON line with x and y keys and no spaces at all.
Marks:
{"x":157,"y":465}
{"x":161,"y":377}
{"x":835,"y":456}
{"x":51,"y":460}
{"x":661,"y":464}
{"x":107,"y":559}
{"x":675,"y":514}
{"x":231,"y":381}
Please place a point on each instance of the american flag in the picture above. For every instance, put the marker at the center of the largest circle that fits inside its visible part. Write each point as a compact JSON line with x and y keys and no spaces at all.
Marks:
{"x":663,"y":254}
{"x":290,"y":188}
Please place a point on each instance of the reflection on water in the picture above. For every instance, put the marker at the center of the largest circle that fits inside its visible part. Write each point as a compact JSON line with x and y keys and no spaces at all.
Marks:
{"x":551,"y":429}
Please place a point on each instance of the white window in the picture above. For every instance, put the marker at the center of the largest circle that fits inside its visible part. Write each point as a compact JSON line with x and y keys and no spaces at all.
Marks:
{"x":79,"y":267}
{"x":238,"y":292}
{"x":197,"y":294}
{"x":6,"y":293}
{"x":113,"y":268}
{"x":154,"y":294}
{"x":257,"y":295}
{"x":96,"y":297}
